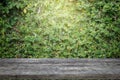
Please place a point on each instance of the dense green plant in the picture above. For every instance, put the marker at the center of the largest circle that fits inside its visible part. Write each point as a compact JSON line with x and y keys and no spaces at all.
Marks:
{"x":60,"y":28}
{"x":11,"y":15}
{"x":102,"y":27}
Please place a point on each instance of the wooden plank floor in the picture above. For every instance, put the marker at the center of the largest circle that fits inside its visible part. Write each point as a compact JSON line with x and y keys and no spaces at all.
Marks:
{"x":60,"y":68}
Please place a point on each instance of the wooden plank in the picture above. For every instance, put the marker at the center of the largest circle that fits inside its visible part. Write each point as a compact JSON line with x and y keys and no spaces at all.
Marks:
{"x":60,"y":68}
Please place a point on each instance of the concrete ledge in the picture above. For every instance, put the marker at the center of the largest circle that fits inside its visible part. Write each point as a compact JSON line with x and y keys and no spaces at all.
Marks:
{"x":60,"y":68}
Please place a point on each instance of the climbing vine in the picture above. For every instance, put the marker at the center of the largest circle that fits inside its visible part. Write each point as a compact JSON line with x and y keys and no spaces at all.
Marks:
{"x":60,"y":28}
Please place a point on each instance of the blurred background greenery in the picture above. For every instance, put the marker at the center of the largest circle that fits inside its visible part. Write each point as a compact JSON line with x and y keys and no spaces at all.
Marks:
{"x":59,"y":29}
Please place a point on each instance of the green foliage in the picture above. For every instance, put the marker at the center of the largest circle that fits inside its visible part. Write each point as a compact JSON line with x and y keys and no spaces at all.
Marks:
{"x":103,"y":27}
{"x":11,"y":14}
{"x":60,"y":28}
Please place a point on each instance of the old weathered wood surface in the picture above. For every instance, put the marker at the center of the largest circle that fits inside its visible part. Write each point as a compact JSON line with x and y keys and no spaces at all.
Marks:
{"x":60,"y":68}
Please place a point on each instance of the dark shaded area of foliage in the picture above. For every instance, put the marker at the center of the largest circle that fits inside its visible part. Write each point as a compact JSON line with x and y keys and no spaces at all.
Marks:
{"x":104,"y":27}
{"x":11,"y":14}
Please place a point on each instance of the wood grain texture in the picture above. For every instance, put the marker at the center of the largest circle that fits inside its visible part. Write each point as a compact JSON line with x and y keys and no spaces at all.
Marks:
{"x":60,"y":68}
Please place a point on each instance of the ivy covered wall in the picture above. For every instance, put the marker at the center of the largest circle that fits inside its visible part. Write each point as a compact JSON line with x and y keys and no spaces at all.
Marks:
{"x":60,"y":28}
